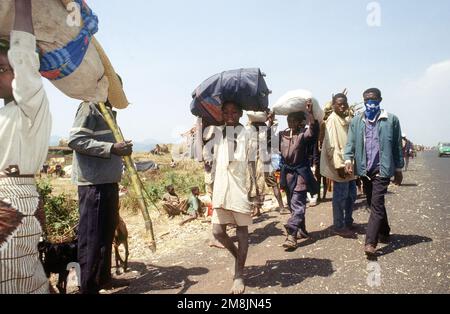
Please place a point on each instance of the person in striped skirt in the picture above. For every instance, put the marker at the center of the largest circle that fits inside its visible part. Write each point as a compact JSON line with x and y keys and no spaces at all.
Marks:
{"x":25,"y":125}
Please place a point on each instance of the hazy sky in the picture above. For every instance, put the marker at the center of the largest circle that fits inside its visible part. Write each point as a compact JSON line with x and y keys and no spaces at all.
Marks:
{"x":164,"y":49}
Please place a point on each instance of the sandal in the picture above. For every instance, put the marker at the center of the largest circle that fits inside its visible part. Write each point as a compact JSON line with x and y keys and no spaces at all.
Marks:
{"x":290,"y":243}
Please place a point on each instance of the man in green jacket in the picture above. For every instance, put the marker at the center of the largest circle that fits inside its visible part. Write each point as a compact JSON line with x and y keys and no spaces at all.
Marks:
{"x":374,"y":152}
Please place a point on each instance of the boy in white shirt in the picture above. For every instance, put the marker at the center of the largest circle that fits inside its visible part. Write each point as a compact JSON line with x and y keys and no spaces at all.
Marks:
{"x":230,"y":201}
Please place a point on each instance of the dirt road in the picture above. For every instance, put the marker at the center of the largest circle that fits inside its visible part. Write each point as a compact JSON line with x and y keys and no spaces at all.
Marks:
{"x":416,"y":260}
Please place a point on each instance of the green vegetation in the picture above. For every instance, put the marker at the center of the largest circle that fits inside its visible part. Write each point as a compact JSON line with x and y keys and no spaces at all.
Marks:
{"x":60,"y":201}
{"x":185,"y":176}
{"x":61,"y":213}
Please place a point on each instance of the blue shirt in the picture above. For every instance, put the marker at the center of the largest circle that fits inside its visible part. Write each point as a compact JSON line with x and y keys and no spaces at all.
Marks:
{"x":372,"y":147}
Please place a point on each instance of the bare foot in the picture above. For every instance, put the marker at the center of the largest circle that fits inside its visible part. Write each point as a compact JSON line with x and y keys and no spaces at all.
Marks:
{"x":256,"y":213}
{"x":238,"y":286}
{"x":284,"y":211}
{"x":216,"y":244}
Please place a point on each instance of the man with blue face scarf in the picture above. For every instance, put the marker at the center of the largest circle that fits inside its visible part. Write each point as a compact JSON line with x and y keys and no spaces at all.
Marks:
{"x":374,"y":152}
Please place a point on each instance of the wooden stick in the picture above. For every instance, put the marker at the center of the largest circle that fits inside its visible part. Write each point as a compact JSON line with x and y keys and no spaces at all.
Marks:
{"x":132,"y":173}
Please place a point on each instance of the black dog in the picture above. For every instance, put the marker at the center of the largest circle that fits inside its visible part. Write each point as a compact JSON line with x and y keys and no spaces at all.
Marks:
{"x":55,"y":257}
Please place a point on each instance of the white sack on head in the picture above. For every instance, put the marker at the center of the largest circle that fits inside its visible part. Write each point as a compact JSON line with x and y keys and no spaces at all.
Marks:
{"x":295,"y":101}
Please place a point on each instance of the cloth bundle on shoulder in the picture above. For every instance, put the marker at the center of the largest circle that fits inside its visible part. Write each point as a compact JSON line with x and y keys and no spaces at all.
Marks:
{"x":245,"y":87}
{"x":295,"y":101}
{"x":68,"y":59}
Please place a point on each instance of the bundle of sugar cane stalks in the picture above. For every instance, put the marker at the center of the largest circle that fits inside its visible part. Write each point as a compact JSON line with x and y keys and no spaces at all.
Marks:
{"x":133,"y":175}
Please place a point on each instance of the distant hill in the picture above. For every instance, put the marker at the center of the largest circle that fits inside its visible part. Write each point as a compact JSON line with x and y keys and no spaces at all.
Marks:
{"x":145,"y":145}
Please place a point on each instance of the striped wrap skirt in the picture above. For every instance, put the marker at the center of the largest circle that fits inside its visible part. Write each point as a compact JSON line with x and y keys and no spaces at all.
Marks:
{"x":21,"y":225}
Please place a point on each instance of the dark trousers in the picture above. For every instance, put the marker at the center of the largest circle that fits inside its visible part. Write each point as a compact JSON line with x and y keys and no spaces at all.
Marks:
{"x":297,"y":204}
{"x":99,"y":209}
{"x":376,"y":189}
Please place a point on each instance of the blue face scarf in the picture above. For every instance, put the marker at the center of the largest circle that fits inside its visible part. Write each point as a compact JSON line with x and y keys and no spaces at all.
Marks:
{"x":372,"y":109}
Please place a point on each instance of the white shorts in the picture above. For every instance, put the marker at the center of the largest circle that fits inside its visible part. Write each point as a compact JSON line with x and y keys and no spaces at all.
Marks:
{"x":225,"y":217}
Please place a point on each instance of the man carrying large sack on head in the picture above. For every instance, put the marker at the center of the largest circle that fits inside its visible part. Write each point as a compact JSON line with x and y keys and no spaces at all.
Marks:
{"x":296,"y":176}
{"x":25,"y":125}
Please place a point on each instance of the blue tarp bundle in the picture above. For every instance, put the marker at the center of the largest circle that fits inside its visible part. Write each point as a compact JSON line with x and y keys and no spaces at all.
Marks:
{"x":245,"y":87}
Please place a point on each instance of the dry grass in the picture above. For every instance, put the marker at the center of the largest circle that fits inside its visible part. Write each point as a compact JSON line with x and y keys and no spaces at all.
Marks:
{"x":186,"y":174}
{"x":63,"y":185}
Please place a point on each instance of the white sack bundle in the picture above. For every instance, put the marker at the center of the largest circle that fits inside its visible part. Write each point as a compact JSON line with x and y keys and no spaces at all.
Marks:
{"x":295,"y":101}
